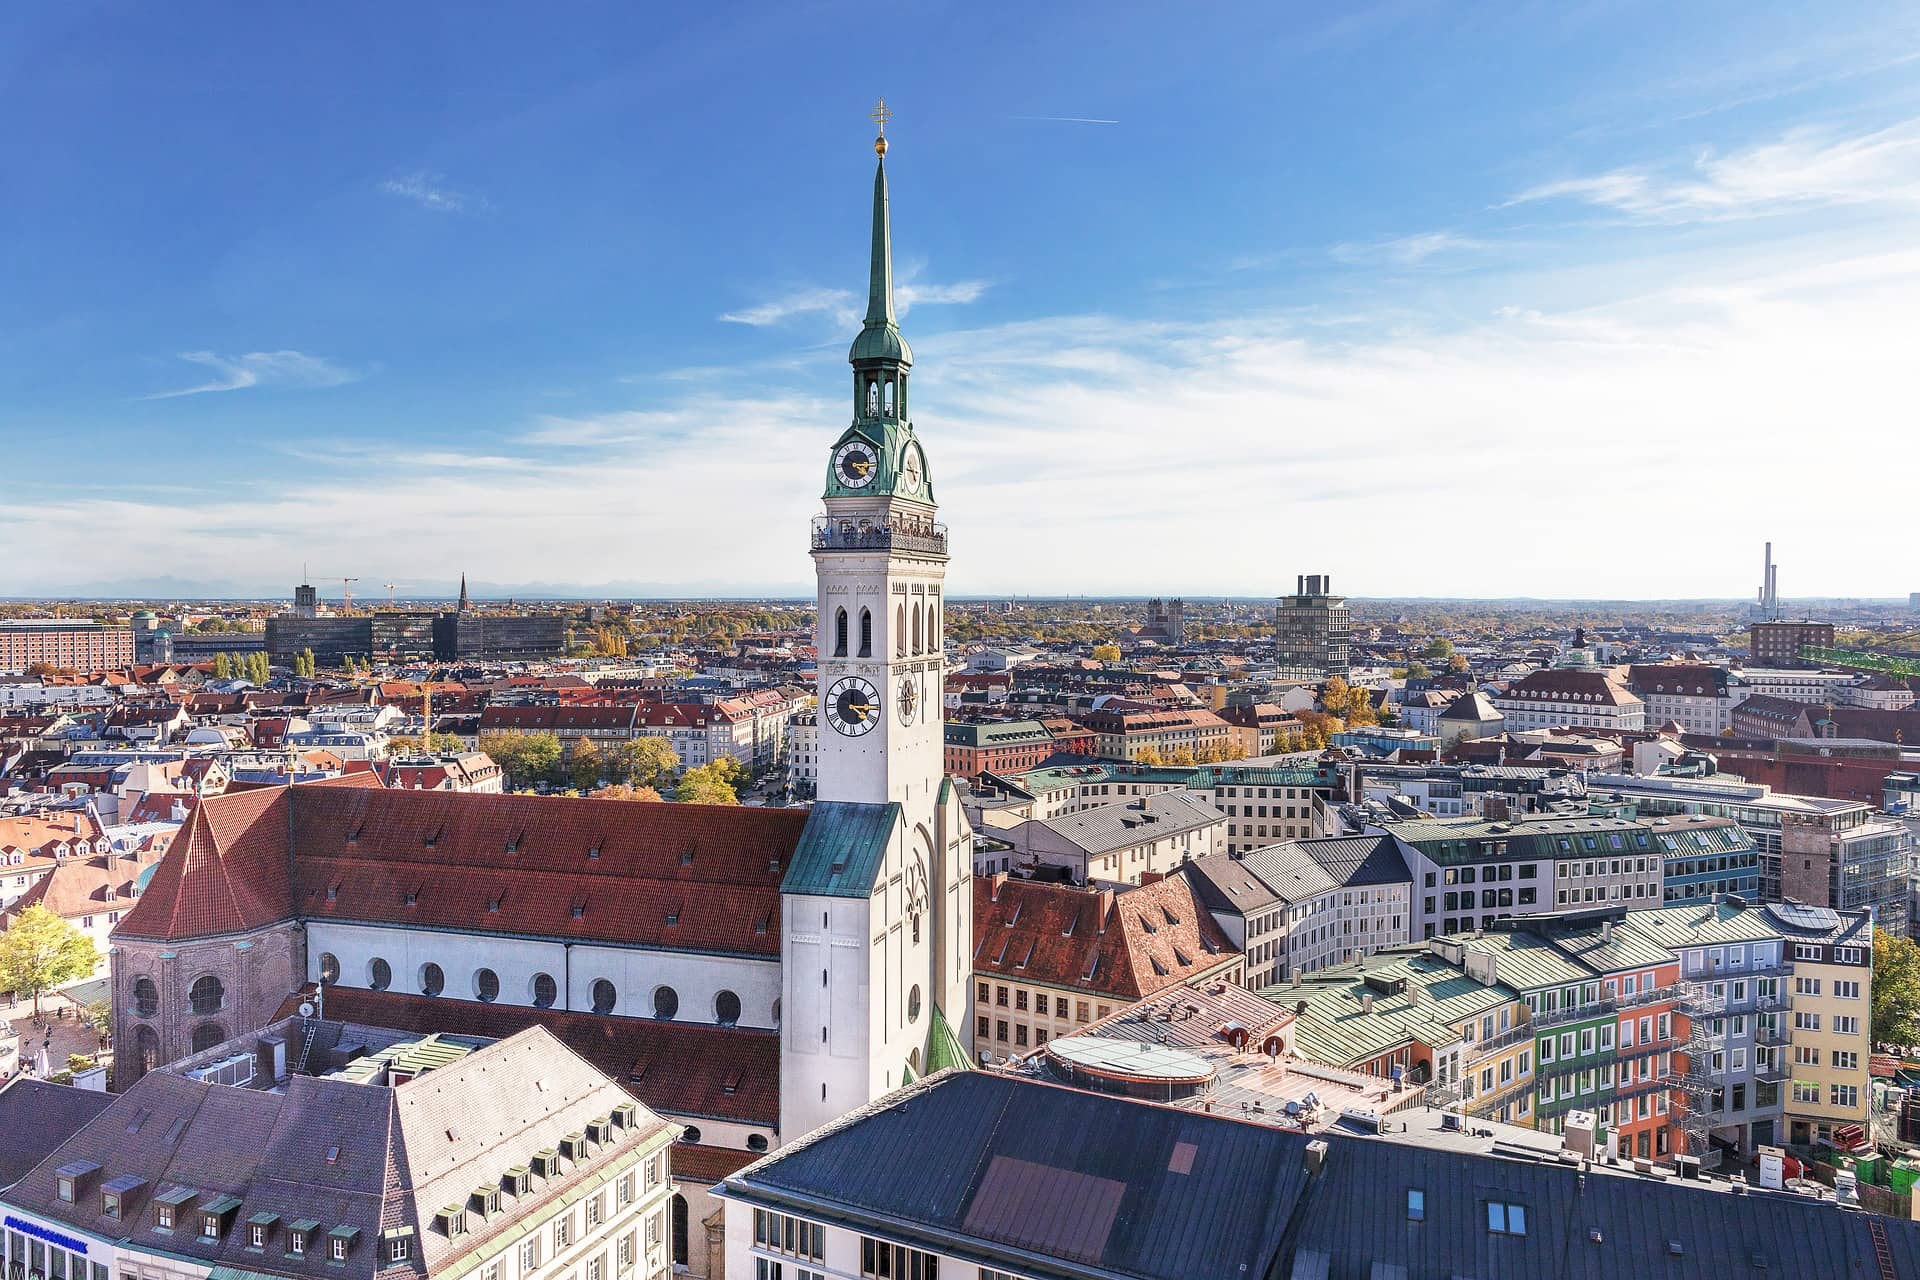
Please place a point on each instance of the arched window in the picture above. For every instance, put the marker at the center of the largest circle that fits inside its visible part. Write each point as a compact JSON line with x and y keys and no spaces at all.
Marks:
{"x":544,"y":990}
{"x":726,"y":1008}
{"x":900,"y":630}
{"x":146,"y":998}
{"x":666,"y":1003}
{"x":379,"y":974}
{"x":680,"y":1229}
{"x":605,"y":997}
{"x":776,"y":1011}
{"x":486,"y":985}
{"x":756,"y":1142}
{"x":206,"y":996}
{"x":432,"y":980}
{"x":886,"y":398}
{"x":207,"y":1035}
{"x":146,"y":1050}
{"x":329,"y":968}
{"x":690,"y":1133}
{"x":840,"y":633}
{"x":913,"y":1004}
{"x":873,"y":397}
{"x":866,"y":633}
{"x":916,"y":629}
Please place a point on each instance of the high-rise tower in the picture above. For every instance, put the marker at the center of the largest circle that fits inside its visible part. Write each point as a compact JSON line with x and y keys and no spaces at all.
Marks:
{"x":878,"y":910}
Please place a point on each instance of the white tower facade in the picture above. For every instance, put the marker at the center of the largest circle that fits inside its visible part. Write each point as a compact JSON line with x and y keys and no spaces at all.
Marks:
{"x":878,"y":907}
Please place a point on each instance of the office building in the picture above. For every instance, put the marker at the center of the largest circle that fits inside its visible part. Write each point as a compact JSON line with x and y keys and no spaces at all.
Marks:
{"x":63,"y":642}
{"x":1313,"y":629}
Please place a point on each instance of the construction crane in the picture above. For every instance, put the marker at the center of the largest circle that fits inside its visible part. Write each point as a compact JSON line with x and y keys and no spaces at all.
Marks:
{"x":1898,"y":666}
{"x":346,"y":594}
{"x":389,"y":586}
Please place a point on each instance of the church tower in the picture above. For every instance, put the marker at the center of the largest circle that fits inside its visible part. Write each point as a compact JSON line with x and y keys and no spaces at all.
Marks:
{"x":879,"y":907}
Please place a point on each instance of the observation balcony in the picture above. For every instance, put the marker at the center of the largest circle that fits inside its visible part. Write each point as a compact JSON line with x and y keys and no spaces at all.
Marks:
{"x":840,"y":534}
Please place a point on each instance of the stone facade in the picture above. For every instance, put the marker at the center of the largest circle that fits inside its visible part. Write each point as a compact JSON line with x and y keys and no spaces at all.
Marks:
{"x":255,"y":971}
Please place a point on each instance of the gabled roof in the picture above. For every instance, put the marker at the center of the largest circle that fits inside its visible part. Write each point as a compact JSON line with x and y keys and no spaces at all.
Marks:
{"x":843,"y":850}
{"x":1129,"y":945}
{"x":38,"y":1116}
{"x":226,"y":872}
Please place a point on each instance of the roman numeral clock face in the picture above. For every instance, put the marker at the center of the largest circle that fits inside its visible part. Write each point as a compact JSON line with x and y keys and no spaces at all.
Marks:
{"x":853,"y":706}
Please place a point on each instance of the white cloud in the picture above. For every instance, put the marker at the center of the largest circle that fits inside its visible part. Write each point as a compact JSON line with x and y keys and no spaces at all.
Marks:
{"x":1804,"y":168}
{"x":261,"y":369}
{"x":430,"y":191}
{"x":837,"y":303}
{"x":907,"y":296}
{"x":1407,"y":251}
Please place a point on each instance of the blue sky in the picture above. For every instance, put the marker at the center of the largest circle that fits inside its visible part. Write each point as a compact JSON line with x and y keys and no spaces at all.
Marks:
{"x":1548,"y":299}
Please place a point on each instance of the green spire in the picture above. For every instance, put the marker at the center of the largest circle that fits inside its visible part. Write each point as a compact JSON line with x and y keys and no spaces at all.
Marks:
{"x":880,"y":268}
{"x":879,"y":340}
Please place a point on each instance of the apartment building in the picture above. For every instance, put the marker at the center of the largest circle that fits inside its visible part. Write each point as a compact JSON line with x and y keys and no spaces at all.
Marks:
{"x":1050,"y":958}
{"x":1704,"y":856}
{"x":1118,"y":843}
{"x":314,"y":1149}
{"x":64,"y":642}
{"x":995,"y":746}
{"x":1694,"y":695}
{"x":1302,"y":905}
{"x":1836,"y":853}
{"x":1472,"y":873}
{"x":1157,"y":734}
{"x":1686,"y":1029}
{"x":1569,"y":697}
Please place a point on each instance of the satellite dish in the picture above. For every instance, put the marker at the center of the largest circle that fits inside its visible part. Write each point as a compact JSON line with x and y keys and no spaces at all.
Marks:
{"x":306,"y":1008}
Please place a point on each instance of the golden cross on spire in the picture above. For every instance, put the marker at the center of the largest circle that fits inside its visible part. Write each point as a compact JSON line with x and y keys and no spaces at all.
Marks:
{"x":880,"y":114}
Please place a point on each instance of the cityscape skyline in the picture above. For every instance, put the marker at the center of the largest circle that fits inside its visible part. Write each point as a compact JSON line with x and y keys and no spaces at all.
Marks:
{"x":465,"y":298}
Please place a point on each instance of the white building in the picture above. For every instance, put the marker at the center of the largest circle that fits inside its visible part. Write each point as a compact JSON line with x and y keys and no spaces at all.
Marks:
{"x":1582,"y":698}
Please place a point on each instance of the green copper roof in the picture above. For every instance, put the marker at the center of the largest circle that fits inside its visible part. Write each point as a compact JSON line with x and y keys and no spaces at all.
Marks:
{"x":842,"y":849}
{"x":943,"y":1046}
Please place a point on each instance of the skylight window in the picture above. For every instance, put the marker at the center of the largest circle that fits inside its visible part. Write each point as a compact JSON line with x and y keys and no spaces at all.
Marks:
{"x":1505,"y":1218}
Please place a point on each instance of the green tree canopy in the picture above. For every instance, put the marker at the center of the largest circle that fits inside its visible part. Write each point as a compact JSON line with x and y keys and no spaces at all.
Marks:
{"x":1439,"y":649}
{"x":705,"y":784}
{"x":1896,"y":989}
{"x":643,"y":762}
{"x":40,"y":951}
{"x":526,"y":758}
{"x":585,"y":766}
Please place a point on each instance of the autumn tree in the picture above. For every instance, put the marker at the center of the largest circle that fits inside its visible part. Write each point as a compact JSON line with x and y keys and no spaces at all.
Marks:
{"x":705,"y":784}
{"x":623,"y":791}
{"x":643,"y":762}
{"x":1896,"y":989}
{"x":585,"y":767}
{"x":526,"y":758}
{"x":1106,"y":652}
{"x":1457,"y":664}
{"x":222,"y":667}
{"x":41,"y":950}
{"x":1181,"y":756}
{"x":1148,"y":755}
{"x":1438,"y":649}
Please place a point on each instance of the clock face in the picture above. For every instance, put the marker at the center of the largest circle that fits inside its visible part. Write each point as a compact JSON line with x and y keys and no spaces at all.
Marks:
{"x":856,"y":464}
{"x":913,"y":469}
{"x":909,"y":699}
{"x":853,"y":706}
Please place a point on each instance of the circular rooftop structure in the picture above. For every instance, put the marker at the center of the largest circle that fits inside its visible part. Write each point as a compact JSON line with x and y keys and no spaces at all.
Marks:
{"x":141,"y":881}
{"x":1129,"y":1062}
{"x":1801,"y":918}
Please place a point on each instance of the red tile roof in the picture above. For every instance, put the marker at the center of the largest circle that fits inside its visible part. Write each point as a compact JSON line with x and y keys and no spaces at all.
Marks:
{"x":1129,"y":945}
{"x":680,"y":1068}
{"x":679,"y":876}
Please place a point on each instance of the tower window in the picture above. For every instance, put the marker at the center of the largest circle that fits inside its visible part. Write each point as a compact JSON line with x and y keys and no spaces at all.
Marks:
{"x":900,"y":630}
{"x":866,"y":633}
{"x":873,"y":397}
{"x":917,"y":647}
{"x":840,"y":633}
{"x":887,"y":399}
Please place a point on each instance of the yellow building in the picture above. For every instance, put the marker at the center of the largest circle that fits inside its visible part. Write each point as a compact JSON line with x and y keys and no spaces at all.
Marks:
{"x":1828,"y":1019}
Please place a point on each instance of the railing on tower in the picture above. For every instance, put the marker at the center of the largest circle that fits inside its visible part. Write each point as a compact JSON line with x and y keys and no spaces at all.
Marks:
{"x":834,"y":533}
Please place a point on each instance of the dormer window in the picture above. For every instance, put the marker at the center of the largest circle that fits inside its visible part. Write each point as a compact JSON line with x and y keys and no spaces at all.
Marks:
{"x":547,"y":1163}
{"x":260,"y":1229}
{"x":513,"y":842}
{"x":339,"y":1240}
{"x":452,"y":1221}
{"x":624,"y":1115}
{"x":597,"y":1130}
{"x":574,"y":1146}
{"x":518,"y":1179}
{"x":70,"y":1180}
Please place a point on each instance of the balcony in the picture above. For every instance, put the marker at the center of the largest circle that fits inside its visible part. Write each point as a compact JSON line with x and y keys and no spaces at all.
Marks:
{"x":1478,"y":1049}
{"x":1577,"y":1013}
{"x":830,"y":534}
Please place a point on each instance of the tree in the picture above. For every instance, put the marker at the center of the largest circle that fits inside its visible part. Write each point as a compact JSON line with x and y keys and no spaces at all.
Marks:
{"x":526,"y":758}
{"x":1456,"y":663}
{"x":259,"y":667}
{"x":643,"y":762}
{"x":622,"y":791}
{"x":1896,"y":989}
{"x":1438,"y":649}
{"x":705,"y":784}
{"x":1182,"y":755}
{"x":1147,"y":755}
{"x":222,"y":667}
{"x":732,"y":771}
{"x":40,"y":951}
{"x":438,"y":744}
{"x":1106,"y":653}
{"x":585,"y":767}
{"x":1419,"y":671}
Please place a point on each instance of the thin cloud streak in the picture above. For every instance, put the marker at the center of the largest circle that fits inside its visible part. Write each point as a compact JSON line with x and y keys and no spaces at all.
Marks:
{"x":1064,"y":119}
{"x":430,"y":191}
{"x":292,"y":369}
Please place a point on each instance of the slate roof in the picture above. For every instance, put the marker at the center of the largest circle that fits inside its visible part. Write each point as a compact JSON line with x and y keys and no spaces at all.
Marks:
{"x":37,"y":1117}
{"x":351,"y":1156}
{"x":1121,"y":826}
{"x":1299,"y":869}
{"x":1016,"y":1174}
{"x":677,"y":1068}
{"x":1025,"y":1169}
